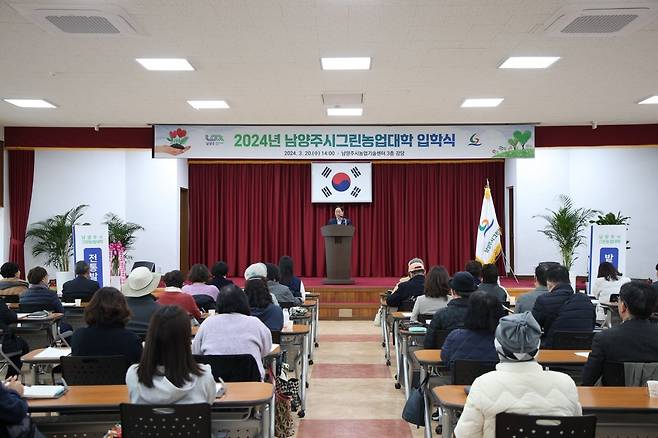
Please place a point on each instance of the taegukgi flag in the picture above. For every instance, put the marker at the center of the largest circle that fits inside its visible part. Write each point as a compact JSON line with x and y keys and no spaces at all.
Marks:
{"x":488,"y":246}
{"x":341,"y":182}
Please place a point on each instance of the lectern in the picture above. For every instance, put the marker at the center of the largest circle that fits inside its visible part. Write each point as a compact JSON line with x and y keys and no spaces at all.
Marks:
{"x":338,"y":253}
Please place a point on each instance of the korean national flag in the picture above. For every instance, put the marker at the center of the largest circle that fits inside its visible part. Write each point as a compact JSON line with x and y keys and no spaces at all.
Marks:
{"x":341,"y":182}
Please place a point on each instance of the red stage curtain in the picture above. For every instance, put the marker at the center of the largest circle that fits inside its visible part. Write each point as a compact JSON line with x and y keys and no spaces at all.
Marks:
{"x":243,"y":213}
{"x":21,"y":175}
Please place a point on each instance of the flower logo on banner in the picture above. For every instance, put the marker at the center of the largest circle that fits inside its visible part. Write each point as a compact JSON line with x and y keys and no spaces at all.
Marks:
{"x":177,"y":138}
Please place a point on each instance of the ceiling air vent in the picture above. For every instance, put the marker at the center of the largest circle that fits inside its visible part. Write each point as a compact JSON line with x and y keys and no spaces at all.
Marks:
{"x":79,"y":20}
{"x":601,"y":19}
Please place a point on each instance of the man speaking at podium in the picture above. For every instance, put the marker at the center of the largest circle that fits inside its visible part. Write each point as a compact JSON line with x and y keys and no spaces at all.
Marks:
{"x":339,"y":219}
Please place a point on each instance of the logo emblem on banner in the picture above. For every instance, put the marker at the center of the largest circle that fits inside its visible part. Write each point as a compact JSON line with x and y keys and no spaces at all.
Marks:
{"x":341,"y":182}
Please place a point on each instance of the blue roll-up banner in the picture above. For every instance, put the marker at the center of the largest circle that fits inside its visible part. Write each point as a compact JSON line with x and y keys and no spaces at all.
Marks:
{"x":91,"y":244}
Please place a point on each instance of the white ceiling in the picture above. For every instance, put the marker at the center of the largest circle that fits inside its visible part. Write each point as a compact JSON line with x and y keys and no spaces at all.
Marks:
{"x":262,"y":56}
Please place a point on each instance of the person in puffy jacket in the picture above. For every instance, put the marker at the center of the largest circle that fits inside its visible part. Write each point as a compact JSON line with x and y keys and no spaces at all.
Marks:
{"x":519,"y":385}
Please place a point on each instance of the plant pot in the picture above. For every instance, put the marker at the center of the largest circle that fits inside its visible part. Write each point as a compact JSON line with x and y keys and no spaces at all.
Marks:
{"x":115,"y":281}
{"x":61,"y":278}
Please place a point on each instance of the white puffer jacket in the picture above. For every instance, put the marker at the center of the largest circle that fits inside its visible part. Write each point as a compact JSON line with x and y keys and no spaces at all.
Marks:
{"x":517,"y":388}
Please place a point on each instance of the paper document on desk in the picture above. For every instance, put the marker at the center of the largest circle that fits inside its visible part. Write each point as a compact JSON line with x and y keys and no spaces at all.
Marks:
{"x":582,"y":353}
{"x":53,"y":353}
{"x":44,"y":391}
{"x":21,"y":315}
{"x":274,"y":347}
{"x":406,"y":314}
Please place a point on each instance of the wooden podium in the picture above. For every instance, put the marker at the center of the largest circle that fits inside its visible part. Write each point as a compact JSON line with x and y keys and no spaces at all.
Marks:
{"x":338,"y":253}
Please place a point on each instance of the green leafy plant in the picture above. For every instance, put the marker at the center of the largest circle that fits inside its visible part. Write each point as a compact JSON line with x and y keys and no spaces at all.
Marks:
{"x":566,"y":226}
{"x":121,"y":231}
{"x":611,"y":219}
{"x":53,"y":237}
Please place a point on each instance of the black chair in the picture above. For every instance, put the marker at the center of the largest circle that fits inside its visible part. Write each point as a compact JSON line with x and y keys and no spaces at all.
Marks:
{"x":441,"y":336}
{"x":614,"y":298}
{"x":572,"y":340}
{"x":149,"y":265}
{"x":29,"y":308}
{"x":464,"y":372}
{"x":191,"y":420}
{"x":532,"y":426}
{"x":204,"y":302}
{"x":10,"y":298}
{"x":94,"y":370}
{"x":613,"y":374}
{"x":6,"y":358}
{"x":286,"y":305}
{"x":407,"y":305}
{"x":232,"y":367}
{"x":276,"y":337}
{"x":425,"y":318}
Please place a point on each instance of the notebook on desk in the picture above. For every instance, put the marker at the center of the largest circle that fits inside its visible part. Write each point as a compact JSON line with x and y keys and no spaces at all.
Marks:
{"x":44,"y":391}
{"x":53,"y":353}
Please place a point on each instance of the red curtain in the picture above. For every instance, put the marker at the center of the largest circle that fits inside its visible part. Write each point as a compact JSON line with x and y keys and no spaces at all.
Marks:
{"x":21,"y":175}
{"x":243,"y":213}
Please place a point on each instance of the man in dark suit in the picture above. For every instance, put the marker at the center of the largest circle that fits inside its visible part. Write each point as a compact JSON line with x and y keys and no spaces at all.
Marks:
{"x":409,"y":290}
{"x":339,"y":219}
{"x":634,"y":340}
{"x":81,"y":287}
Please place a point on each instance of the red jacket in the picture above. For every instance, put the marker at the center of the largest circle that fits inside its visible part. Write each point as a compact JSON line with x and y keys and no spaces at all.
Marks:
{"x":172,"y":297}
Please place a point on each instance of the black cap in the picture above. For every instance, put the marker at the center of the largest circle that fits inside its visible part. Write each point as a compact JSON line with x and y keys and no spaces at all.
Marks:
{"x":463,"y":282}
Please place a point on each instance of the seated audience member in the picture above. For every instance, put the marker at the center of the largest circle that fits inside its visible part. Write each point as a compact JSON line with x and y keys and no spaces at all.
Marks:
{"x":608,"y":282}
{"x":526,"y":302}
{"x":137,"y":290}
{"x":518,"y":385}
{"x":410,"y":289}
{"x":261,"y":306}
{"x":474,"y":268}
{"x":561,"y":309}
{"x":259,"y":270}
{"x":14,"y":418}
{"x":286,"y":271}
{"x":167,"y":373}
{"x":11,"y":284}
{"x":106,"y":316}
{"x":490,"y":284}
{"x":476,"y":340}
{"x":233,"y":330}
{"x":219,"y":272}
{"x":10,"y":342}
{"x":452,"y":316}
{"x":38,"y":295}
{"x":174,"y":296}
{"x":436,"y":293}
{"x":635,"y":340}
{"x":198,"y":276}
{"x":81,"y":287}
{"x":281,"y":292}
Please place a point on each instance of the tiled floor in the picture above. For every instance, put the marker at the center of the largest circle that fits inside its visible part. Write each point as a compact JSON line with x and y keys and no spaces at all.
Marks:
{"x":352,"y":391}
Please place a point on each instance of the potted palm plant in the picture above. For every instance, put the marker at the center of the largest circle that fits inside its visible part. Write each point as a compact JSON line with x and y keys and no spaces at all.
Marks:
{"x":566,"y":226}
{"x":52,"y":238}
{"x":122,"y":239}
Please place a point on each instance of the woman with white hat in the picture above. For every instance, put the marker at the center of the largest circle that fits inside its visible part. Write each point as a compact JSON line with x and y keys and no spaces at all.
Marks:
{"x":137,"y":290}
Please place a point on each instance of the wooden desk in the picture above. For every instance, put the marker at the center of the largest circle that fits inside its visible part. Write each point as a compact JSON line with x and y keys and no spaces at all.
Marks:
{"x":48,"y":324}
{"x":302,"y":332}
{"x":544,"y":357}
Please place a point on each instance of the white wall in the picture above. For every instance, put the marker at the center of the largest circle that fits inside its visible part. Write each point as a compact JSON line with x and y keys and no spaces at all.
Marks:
{"x":5,"y":231}
{"x":129,"y":183}
{"x":607,"y":179}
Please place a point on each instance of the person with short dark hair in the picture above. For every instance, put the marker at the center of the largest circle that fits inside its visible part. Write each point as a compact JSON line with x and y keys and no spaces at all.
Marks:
{"x":282,"y":293}
{"x":106,"y":316}
{"x":561,"y":309}
{"x":436,"y":293}
{"x":490,"y":284}
{"x":38,"y":295}
{"x":287,"y":272}
{"x":81,"y":287}
{"x":462,"y":285}
{"x":634,"y":340}
{"x":174,"y":296}
{"x":232,"y":330}
{"x":261,"y":306}
{"x":167,"y":372}
{"x":199,"y":275}
{"x":476,"y":340}
{"x":11,"y":284}
{"x":219,"y":272}
{"x":526,"y":302}
{"x":11,"y":343}
{"x":474,"y":267}
{"x":408,"y":291}
{"x":608,"y":282}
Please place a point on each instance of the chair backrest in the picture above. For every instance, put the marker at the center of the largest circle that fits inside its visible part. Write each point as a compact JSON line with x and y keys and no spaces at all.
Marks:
{"x":204,"y":302}
{"x":572,"y":340}
{"x":613,"y":374}
{"x":232,"y":367}
{"x":10,"y":298}
{"x":94,"y":370}
{"x":425,"y":318}
{"x":189,"y":420}
{"x":407,"y":305}
{"x":521,"y":426}
{"x":614,"y":298}
{"x":464,"y":372}
{"x":29,"y":308}
{"x":149,"y":265}
{"x":286,"y":305}
{"x":440,"y":336}
{"x":276,"y":336}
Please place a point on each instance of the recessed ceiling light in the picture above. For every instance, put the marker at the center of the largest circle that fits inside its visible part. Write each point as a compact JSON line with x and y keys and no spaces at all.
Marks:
{"x":344,"y":111}
{"x":653,"y":100}
{"x":482,"y":103}
{"x":345,"y":63}
{"x":166,"y":64}
{"x":208,"y":104}
{"x":529,"y":61}
{"x":30,"y":103}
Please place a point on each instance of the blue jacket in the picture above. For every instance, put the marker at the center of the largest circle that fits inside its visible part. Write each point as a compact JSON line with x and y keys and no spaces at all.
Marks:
{"x":465,"y":344}
{"x":271,"y":316}
{"x":411,"y":288}
{"x":563,"y":310}
{"x":295,"y":286}
{"x":39,"y":295}
{"x":12,"y":407}
{"x":450,"y":317}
